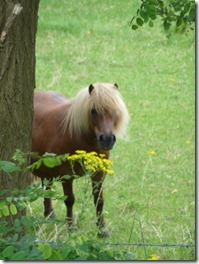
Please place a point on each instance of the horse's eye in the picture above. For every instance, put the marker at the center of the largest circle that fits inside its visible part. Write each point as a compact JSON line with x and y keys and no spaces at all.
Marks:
{"x":93,"y":112}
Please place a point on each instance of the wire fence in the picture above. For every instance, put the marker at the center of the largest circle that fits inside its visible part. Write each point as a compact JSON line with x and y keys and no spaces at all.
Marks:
{"x":149,"y":244}
{"x":143,"y":243}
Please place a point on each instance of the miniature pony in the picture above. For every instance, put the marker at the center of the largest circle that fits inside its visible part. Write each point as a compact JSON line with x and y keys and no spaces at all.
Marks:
{"x":90,"y":121}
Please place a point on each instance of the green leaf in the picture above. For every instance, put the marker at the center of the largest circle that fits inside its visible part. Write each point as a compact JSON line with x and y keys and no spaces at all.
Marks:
{"x":17,"y":223}
{"x":152,"y":11}
{"x":166,"y":25}
{"x":187,"y":7}
{"x":134,"y":27}
{"x":139,"y":21}
{"x":110,"y":253}
{"x":46,"y":182}
{"x":154,"y":2}
{"x":7,"y":252}
{"x":132,"y":20}
{"x":152,"y":8}
{"x":46,"y":250}
{"x":179,"y":22}
{"x":13,"y":209}
{"x":18,"y":256}
{"x":79,"y":240}
{"x":58,"y":160}
{"x":38,"y":164}
{"x":72,"y":243}
{"x":66,"y":177}
{"x":25,"y":221}
{"x":150,"y":23}
{"x":8,"y":199}
{"x":144,"y":15}
{"x":5,"y":210}
{"x":8,"y":166}
{"x":152,"y":16}
{"x":15,"y":238}
{"x":50,"y":162}
{"x":192,"y":14}
{"x":56,"y":255}
{"x":19,"y":156}
{"x":3,"y":224}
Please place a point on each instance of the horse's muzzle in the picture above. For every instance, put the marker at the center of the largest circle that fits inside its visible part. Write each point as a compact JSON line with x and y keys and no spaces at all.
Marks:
{"x":107,"y":142}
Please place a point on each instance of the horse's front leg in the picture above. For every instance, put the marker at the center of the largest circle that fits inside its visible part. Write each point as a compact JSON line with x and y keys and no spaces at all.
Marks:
{"x":97,"y":181}
{"x":48,"y":207}
{"x":69,"y":201}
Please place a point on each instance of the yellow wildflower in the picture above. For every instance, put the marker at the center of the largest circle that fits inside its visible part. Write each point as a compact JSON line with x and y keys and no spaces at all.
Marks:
{"x":152,"y":152}
{"x":79,"y":152}
{"x":92,"y":162}
{"x":153,"y":257}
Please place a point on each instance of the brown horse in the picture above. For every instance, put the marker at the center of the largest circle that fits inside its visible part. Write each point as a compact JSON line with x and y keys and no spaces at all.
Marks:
{"x":90,"y":121}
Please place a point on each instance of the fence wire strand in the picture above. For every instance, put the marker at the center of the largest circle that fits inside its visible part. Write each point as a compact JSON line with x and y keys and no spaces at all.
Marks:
{"x":149,"y":244}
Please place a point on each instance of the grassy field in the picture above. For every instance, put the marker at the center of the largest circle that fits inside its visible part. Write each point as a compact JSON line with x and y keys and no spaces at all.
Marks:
{"x":151,"y":198}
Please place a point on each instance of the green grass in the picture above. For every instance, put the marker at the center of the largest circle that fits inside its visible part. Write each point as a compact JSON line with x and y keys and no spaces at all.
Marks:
{"x":83,"y":42}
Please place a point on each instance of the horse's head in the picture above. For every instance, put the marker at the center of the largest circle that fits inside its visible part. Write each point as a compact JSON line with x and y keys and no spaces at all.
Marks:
{"x":97,"y":109}
{"x":105,"y":113}
{"x":104,"y":126}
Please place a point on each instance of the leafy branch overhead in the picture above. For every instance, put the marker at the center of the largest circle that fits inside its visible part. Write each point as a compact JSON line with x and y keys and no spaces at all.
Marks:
{"x":180,"y":13}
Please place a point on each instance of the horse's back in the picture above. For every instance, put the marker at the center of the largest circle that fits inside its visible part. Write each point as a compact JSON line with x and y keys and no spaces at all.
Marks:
{"x":49,"y":99}
{"x":45,"y":104}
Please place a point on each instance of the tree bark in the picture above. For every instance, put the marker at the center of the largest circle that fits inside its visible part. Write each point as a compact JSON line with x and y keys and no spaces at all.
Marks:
{"x":18,"y":26}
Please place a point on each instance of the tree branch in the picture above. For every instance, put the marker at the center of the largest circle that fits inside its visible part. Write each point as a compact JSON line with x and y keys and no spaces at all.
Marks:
{"x":15,"y":12}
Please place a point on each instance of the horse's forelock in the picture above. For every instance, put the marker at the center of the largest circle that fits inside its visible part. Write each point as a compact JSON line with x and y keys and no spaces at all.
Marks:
{"x":105,"y":98}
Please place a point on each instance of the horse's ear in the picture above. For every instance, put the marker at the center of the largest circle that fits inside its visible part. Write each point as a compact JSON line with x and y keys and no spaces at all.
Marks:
{"x":116,"y":85}
{"x":90,"y":88}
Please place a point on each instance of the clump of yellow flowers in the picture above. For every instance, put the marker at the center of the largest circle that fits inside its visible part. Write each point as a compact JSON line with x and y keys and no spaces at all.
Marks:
{"x":92,"y":162}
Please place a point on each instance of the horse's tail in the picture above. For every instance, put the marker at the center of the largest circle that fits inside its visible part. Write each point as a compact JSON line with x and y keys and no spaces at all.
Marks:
{"x":36,"y":178}
{"x":33,"y":178}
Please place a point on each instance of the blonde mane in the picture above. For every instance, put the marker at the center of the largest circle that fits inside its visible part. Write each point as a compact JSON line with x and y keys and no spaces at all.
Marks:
{"x":104,"y":97}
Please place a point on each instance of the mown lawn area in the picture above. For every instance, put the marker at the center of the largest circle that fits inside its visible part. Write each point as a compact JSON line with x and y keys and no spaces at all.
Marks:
{"x":151,"y":197}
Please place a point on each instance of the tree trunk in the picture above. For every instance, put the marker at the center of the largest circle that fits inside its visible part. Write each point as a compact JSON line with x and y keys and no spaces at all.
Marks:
{"x":18,"y":25}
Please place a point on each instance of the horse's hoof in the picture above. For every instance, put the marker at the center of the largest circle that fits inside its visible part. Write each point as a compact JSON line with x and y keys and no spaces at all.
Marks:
{"x":103,"y":232}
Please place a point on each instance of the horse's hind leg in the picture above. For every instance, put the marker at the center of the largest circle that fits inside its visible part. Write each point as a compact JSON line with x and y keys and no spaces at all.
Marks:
{"x":48,"y":207}
{"x":69,"y":201}
{"x":99,"y":203}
